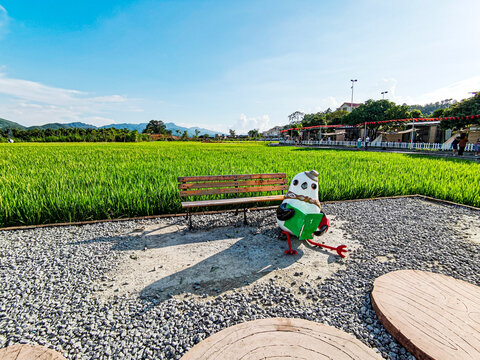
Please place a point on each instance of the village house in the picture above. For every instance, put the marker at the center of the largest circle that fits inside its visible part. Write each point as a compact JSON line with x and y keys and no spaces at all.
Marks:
{"x":272,"y":133}
{"x":348,"y":106}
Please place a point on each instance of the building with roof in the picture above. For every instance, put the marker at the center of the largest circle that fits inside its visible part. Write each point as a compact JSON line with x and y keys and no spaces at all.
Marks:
{"x":348,"y":106}
{"x":273,"y":132}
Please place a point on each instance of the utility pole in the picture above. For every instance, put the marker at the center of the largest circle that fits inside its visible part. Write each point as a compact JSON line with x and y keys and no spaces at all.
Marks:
{"x":365,"y":135}
{"x":413,"y":131}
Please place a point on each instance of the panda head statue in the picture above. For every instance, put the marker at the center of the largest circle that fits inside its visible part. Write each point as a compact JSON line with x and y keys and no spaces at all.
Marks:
{"x":299,"y":207}
{"x":305,"y":184}
{"x":302,"y":195}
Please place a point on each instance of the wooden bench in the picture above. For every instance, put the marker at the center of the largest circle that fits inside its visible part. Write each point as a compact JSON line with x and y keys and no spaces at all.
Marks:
{"x":193,"y":186}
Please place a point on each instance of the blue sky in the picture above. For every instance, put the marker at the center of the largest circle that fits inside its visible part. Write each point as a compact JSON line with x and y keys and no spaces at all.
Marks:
{"x":228,"y":64}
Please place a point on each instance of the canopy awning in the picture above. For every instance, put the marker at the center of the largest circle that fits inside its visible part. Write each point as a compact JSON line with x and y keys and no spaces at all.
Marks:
{"x":334,"y":133}
{"x":427,"y":123}
{"x":395,"y":132}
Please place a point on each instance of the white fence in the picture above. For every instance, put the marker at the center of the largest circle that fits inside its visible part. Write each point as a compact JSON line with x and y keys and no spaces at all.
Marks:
{"x":384,"y":144}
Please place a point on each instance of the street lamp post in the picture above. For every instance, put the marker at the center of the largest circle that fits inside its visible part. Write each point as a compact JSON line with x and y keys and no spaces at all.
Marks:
{"x":383,"y":93}
{"x":351,"y":104}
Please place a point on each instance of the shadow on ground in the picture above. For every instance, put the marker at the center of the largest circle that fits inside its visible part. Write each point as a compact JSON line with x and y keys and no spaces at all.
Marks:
{"x":219,"y":260}
{"x":167,"y":259}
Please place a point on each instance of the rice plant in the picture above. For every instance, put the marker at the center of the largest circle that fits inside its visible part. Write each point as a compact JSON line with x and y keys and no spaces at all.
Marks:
{"x":61,"y":182}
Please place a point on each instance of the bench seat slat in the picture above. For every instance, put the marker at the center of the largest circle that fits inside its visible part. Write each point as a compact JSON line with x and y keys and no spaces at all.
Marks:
{"x":203,"y":185}
{"x":190,"y":204}
{"x":233,"y":190}
{"x":231,"y":177}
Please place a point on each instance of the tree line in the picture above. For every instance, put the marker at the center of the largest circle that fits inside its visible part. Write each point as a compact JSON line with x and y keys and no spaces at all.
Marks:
{"x":72,"y":135}
{"x":157,"y":127}
{"x":154,"y":127}
{"x":155,"y":130}
{"x":381,"y":110}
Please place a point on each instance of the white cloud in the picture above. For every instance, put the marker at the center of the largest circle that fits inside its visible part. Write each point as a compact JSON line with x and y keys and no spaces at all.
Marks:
{"x":387,"y":84}
{"x":4,"y":21}
{"x":458,"y":91}
{"x":34,"y":91}
{"x":213,"y":127}
{"x":33,"y":103}
{"x":37,"y":114}
{"x":98,"y":120}
{"x":328,"y":102}
{"x":241,"y":126}
{"x":244,"y":123}
{"x":110,"y":99}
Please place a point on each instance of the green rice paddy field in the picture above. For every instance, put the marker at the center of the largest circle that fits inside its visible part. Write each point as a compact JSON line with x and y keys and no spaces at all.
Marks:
{"x":62,"y":182}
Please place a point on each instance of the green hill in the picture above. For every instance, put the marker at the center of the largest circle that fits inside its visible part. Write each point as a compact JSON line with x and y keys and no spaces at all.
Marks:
{"x":56,"y":126}
{"x":7,"y":124}
{"x":53,"y":126}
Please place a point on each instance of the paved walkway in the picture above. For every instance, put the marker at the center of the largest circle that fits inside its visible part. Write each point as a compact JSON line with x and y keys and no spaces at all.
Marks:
{"x":435,"y":153}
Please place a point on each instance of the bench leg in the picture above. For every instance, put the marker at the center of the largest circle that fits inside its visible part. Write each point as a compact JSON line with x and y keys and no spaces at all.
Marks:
{"x":245,"y":216}
{"x":189,"y":218}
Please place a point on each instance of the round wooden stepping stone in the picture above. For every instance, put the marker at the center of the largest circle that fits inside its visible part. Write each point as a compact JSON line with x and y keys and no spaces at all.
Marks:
{"x":280,"y":338}
{"x":433,"y":316}
{"x":29,"y":352}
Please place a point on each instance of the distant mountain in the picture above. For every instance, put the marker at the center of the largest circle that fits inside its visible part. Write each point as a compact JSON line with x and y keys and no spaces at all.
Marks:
{"x":190,"y":131}
{"x":139,"y":127}
{"x":55,"y":126}
{"x":81,"y":125}
{"x":7,"y":124}
{"x":170,"y":126}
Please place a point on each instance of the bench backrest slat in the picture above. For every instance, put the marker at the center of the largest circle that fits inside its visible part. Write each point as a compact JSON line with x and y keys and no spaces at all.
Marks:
{"x":231,"y":184}
{"x":211,"y":184}
{"x":231,"y":177}
{"x":233,"y":190}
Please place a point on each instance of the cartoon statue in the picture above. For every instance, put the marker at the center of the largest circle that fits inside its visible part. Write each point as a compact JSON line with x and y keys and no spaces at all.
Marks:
{"x":300,"y":214}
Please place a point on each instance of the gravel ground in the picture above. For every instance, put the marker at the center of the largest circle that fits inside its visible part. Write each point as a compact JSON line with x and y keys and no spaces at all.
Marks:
{"x":49,"y":281}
